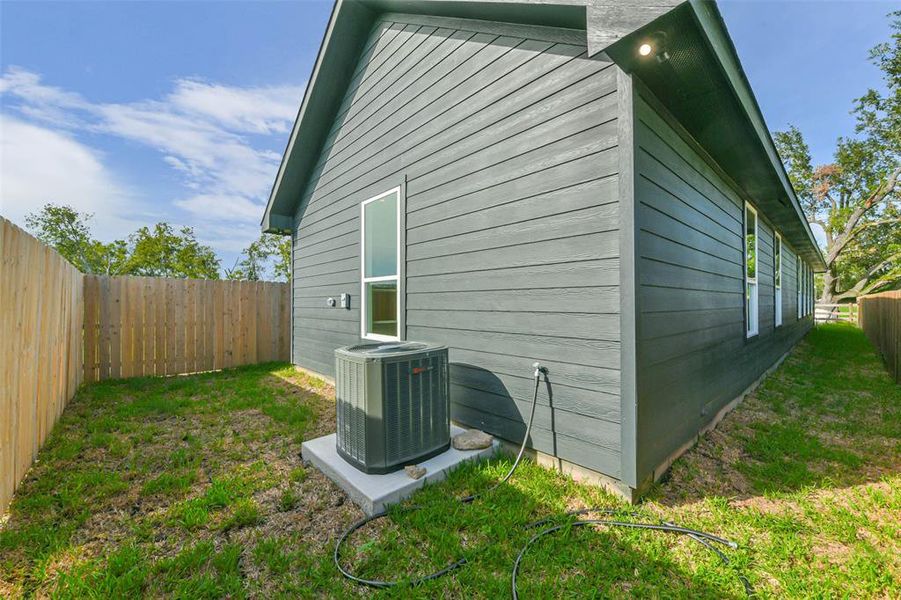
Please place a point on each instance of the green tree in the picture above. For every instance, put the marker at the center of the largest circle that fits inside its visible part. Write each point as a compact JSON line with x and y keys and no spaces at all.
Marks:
{"x":164,"y":252}
{"x":160,"y":251}
{"x":68,"y":231}
{"x":270,"y":250}
{"x":854,"y":198}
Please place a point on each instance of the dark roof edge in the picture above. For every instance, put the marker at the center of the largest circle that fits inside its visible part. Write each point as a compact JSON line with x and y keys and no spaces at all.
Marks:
{"x":268,"y":223}
{"x":351,"y":21}
{"x":348,"y":25}
{"x":712,"y":24}
{"x":312,"y":97}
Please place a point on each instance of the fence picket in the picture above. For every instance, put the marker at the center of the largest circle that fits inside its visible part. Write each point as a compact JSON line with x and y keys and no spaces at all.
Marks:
{"x":209,"y":324}
{"x":41,"y":318}
{"x":219,"y":327}
{"x":190,"y":288}
{"x":880,"y":319}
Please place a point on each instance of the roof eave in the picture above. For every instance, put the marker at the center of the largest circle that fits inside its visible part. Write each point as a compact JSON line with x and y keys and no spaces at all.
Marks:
{"x":347,"y":31}
{"x":349,"y":21}
{"x":711,"y":21}
{"x":700,"y":81}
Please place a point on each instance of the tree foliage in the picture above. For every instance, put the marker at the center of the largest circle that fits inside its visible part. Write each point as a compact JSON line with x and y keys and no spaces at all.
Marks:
{"x":270,"y":251}
{"x":854,"y":198}
{"x":160,"y":251}
{"x":68,"y":231}
{"x":164,"y":252}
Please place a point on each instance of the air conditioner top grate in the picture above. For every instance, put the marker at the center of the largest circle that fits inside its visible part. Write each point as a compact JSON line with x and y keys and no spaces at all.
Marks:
{"x":376,"y":349}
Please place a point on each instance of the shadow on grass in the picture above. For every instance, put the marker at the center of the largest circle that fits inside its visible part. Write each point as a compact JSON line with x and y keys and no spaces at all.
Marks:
{"x":578,"y":562}
{"x":193,"y":487}
{"x":828,"y":418}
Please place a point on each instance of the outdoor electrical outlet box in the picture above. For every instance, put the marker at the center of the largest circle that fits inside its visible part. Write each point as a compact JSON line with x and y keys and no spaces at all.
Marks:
{"x":345,"y":300}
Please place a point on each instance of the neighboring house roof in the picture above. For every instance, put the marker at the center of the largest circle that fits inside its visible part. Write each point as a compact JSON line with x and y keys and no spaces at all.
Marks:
{"x":702,"y":84}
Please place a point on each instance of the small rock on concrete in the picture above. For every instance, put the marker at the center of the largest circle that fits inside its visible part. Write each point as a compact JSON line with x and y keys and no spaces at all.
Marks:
{"x":415,"y":471}
{"x":472,"y":440}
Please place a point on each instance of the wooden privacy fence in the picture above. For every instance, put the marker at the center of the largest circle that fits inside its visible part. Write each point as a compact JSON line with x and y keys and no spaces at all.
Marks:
{"x":880,"y":319}
{"x":40,"y":348}
{"x":137,"y":326}
{"x":59,"y":328}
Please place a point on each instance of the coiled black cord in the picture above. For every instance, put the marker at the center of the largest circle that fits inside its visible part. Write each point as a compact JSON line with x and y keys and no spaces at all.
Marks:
{"x":377,"y":583}
{"x":522,"y":448}
{"x":703,"y":538}
{"x":706,"y":539}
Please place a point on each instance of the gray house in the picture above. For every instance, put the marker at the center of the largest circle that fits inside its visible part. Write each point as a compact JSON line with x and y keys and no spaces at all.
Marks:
{"x":588,"y":183}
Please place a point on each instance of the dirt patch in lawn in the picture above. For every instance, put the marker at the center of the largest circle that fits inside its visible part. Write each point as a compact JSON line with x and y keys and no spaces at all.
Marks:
{"x":194,"y":487}
{"x":170,"y":466}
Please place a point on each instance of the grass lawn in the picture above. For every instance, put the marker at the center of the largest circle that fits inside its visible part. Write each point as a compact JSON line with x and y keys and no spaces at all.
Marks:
{"x":193,"y":487}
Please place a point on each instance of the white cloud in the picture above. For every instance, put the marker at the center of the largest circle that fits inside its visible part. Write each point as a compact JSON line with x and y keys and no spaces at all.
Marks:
{"x":253,"y":110}
{"x":218,"y":207}
{"x":38,"y":165}
{"x":21,"y":82}
{"x":200,"y":130}
{"x":819,"y":234}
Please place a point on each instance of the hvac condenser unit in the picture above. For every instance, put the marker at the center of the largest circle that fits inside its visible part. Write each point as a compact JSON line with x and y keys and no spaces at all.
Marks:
{"x":393,"y":402}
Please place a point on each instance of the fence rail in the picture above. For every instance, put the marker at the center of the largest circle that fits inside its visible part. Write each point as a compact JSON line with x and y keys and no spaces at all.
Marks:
{"x":831,"y":313}
{"x":40,"y":348}
{"x":880,"y":319}
{"x":59,"y":328}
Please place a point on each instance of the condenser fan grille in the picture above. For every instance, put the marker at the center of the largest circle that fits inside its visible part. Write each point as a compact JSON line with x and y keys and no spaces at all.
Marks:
{"x":392,"y":404}
{"x":415,"y":410}
{"x":351,"y":406}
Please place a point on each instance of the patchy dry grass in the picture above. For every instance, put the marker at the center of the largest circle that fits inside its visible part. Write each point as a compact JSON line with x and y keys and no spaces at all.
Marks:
{"x":807,"y":473}
{"x":192,"y":487}
{"x":164,"y":486}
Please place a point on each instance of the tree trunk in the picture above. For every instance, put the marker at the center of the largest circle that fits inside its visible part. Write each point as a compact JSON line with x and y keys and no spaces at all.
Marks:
{"x":830,"y":281}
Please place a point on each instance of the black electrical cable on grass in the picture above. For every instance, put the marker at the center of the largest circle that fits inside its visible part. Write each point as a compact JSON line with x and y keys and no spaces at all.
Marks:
{"x":749,"y":589}
{"x":377,"y":583}
{"x":538,"y":371}
{"x":699,"y":536}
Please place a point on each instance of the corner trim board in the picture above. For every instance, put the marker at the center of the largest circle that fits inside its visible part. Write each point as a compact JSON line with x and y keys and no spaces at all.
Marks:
{"x":628,"y":278}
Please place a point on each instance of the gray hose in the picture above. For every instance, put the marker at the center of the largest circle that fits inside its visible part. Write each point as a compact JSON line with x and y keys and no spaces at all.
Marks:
{"x":522,"y":448}
{"x":376,"y":583}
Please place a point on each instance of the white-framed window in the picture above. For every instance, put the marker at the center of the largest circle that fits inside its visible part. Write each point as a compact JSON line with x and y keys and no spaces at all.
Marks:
{"x":380,"y":306}
{"x":812,"y":301}
{"x":808,"y":289}
{"x":777,"y":278}
{"x":813,"y":292}
{"x":751,"y":311}
{"x":799,"y":279}
{"x":803,"y":289}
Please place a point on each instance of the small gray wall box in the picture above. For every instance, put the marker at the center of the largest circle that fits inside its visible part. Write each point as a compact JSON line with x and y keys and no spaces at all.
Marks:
{"x":585,"y":183}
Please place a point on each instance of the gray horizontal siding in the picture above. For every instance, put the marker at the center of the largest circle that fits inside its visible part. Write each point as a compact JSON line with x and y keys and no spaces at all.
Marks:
{"x":508,"y":147}
{"x":693,"y":356}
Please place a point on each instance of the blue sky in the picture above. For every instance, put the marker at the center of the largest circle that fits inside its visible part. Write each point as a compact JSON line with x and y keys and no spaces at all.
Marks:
{"x":179,"y":111}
